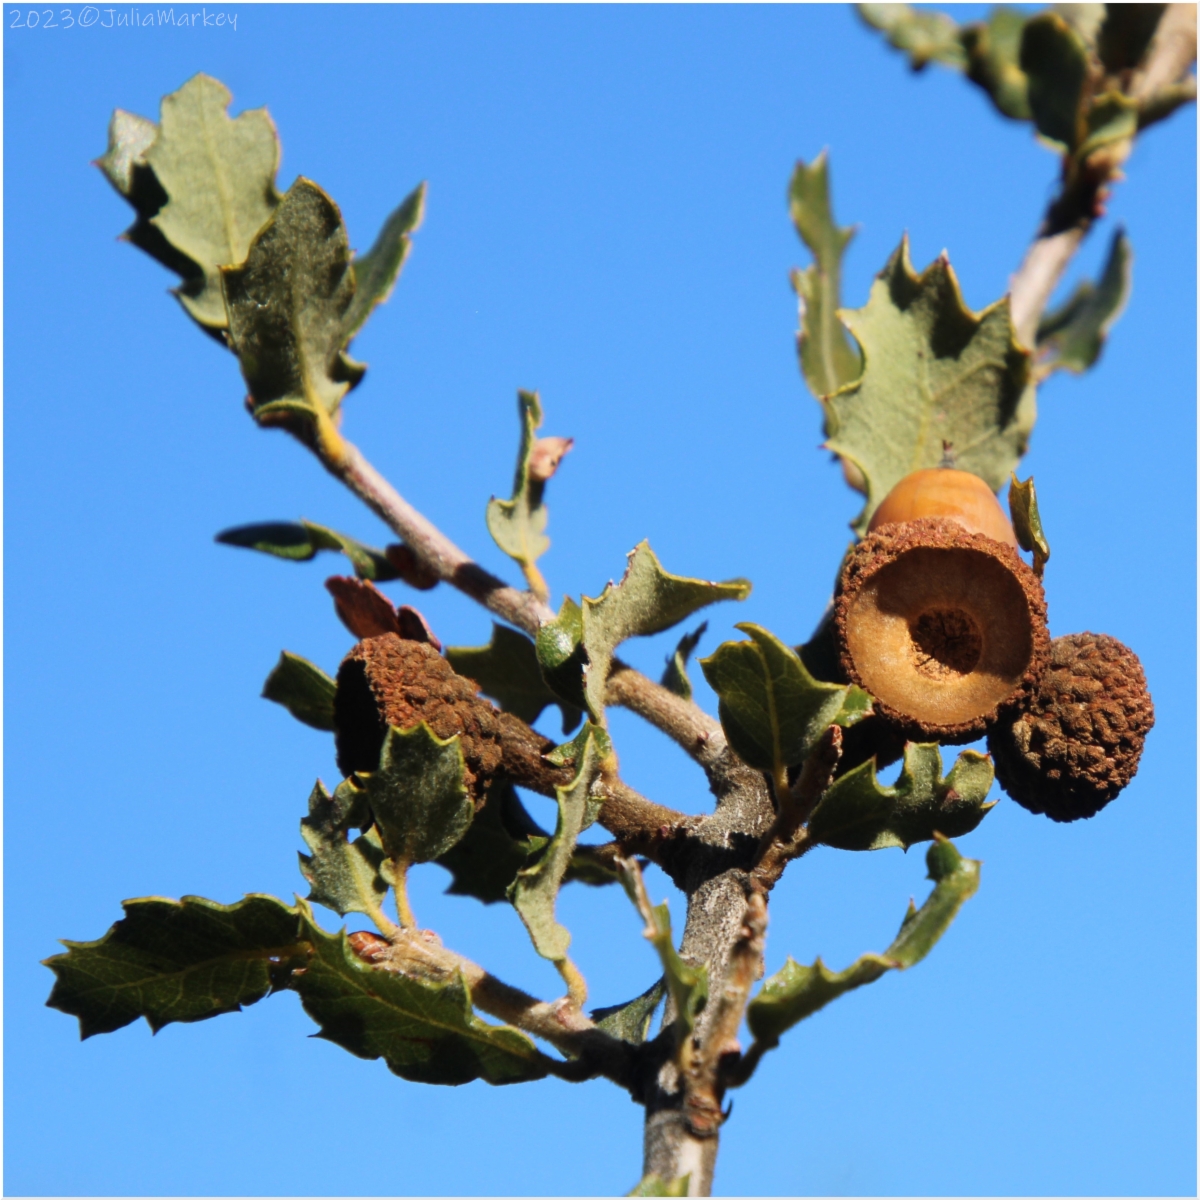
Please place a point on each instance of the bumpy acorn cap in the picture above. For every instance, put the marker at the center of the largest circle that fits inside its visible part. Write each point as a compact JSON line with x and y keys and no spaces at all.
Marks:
{"x":945,"y":628}
{"x":390,"y":680}
{"x":1079,"y":741}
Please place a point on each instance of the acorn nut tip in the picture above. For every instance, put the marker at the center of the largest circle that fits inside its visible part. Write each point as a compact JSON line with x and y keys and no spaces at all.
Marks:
{"x":1079,"y":741}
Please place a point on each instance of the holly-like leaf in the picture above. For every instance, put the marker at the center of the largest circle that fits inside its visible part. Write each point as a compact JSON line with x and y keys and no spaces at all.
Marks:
{"x":797,"y":991}
{"x":501,"y":840}
{"x":507,"y":670}
{"x":417,"y":796}
{"x":1055,"y":61}
{"x":993,"y":49}
{"x":219,"y":178}
{"x":675,"y":678}
{"x":303,"y":689}
{"x":561,"y":655}
{"x":519,"y":525}
{"x":857,"y":812}
{"x":925,"y":36}
{"x":376,"y":272}
{"x":934,"y":372}
{"x":771,"y":708}
{"x":300,"y":541}
{"x":287,"y":311}
{"x":1071,"y":336}
{"x":424,"y":1029}
{"x":535,"y":889}
{"x":1027,"y":522}
{"x":646,"y":601}
{"x":345,"y":876}
{"x":828,"y":358}
{"x":178,"y":960}
{"x":631,"y":1021}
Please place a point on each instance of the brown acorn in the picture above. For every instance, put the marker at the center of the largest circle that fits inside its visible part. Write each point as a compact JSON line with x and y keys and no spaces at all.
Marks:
{"x":1078,"y":742}
{"x":945,"y":628}
{"x":950,"y":494}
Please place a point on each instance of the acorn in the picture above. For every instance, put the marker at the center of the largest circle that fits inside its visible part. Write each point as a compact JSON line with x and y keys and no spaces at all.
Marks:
{"x":950,"y":494}
{"x":1078,"y":742}
{"x":944,"y":626}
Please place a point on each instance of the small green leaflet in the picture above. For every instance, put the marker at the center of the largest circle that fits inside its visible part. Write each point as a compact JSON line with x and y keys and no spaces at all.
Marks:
{"x":507,"y":670}
{"x":828,"y":358}
{"x":797,"y":992}
{"x":771,"y":708}
{"x":925,"y":36}
{"x":934,"y":372}
{"x":301,"y":540}
{"x":1071,"y":336}
{"x":993,"y":49}
{"x":376,"y":272}
{"x":675,"y":678}
{"x":857,"y":812}
{"x":425,"y":1030}
{"x":631,"y":1021}
{"x":1055,"y":61}
{"x":178,"y":960}
{"x":303,"y":689}
{"x":1027,"y":522}
{"x":561,"y":655}
{"x":417,"y":796}
{"x":344,"y":876}
{"x":219,"y":177}
{"x":535,"y":889}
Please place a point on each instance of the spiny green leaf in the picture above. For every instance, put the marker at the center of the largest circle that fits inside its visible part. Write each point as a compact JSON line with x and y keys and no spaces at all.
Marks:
{"x":828,"y":358}
{"x":1109,"y":118}
{"x":646,"y":601}
{"x":771,"y":708}
{"x":631,"y":1021}
{"x":129,"y":137}
{"x":300,"y":541}
{"x":178,"y":960}
{"x":417,"y":796}
{"x":376,"y":272}
{"x":857,"y":812}
{"x":287,"y":310}
{"x":561,"y":655}
{"x":1071,"y":336}
{"x":934,"y":372}
{"x":303,"y":689}
{"x":925,"y":36}
{"x":507,"y":670}
{"x":797,"y":991}
{"x":501,"y":840}
{"x":656,"y":1185}
{"x":993,"y":49}
{"x":345,"y":876}
{"x":1055,"y":61}
{"x":424,"y":1029}
{"x":535,"y":889}
{"x":675,"y":678}
{"x":570,"y":753}
{"x":519,"y":525}
{"x":219,"y":177}
{"x":1027,"y":522}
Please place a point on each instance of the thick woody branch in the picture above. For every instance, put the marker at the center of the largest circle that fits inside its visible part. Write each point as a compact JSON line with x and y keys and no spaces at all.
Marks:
{"x":685,"y":723}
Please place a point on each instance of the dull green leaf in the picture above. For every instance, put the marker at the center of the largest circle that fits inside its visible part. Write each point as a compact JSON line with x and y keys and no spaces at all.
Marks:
{"x":656,"y":1185}
{"x":345,"y":876}
{"x":1109,"y":118}
{"x":828,"y":358}
{"x":924,"y":35}
{"x":1027,"y":522}
{"x":219,"y":178}
{"x":287,"y":310}
{"x":646,"y":601}
{"x":303,"y":689}
{"x":1055,"y":61}
{"x":1071,"y":336}
{"x":178,"y":960}
{"x":993,"y":49}
{"x":934,"y":372}
{"x":561,"y":655}
{"x":675,"y":678}
{"x":797,"y":991}
{"x":424,"y":1029}
{"x":535,"y":889}
{"x":507,"y":670}
{"x":771,"y":708}
{"x":857,"y":812}
{"x":417,"y":796}
{"x":631,"y":1021}
{"x":376,"y":272}
{"x":300,"y":541}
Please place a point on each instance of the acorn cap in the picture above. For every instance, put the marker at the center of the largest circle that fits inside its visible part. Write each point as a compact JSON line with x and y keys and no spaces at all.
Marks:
{"x":945,"y":628}
{"x":1079,"y":741}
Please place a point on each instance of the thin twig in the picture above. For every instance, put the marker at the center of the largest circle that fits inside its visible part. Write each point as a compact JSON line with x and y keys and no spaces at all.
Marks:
{"x":685,"y":723}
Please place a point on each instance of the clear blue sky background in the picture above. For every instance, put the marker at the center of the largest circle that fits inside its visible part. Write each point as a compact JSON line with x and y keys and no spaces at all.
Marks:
{"x":607,"y":223}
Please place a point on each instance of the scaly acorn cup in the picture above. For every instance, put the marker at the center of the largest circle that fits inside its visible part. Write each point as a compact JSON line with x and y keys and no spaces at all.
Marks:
{"x":390,"y":680}
{"x":1078,"y":742}
{"x":950,"y":494}
{"x":945,"y":628}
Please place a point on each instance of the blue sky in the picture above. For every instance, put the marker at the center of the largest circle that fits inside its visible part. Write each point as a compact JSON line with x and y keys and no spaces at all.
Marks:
{"x":606,"y":223}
